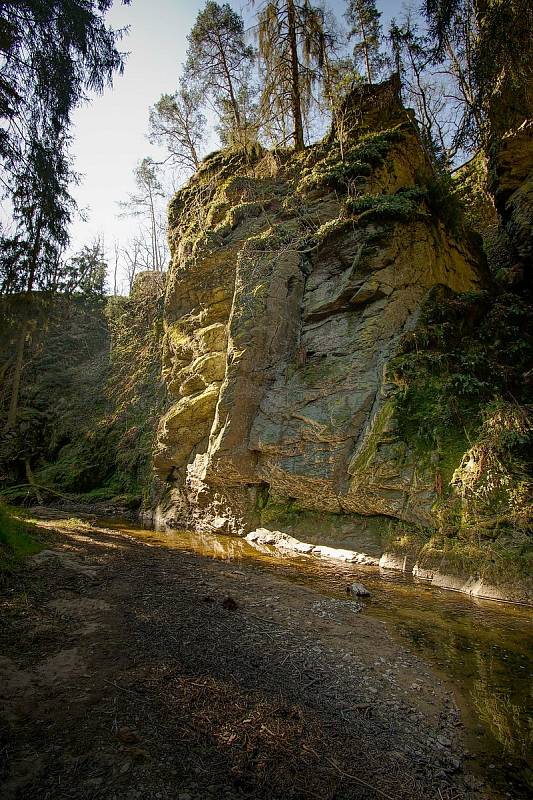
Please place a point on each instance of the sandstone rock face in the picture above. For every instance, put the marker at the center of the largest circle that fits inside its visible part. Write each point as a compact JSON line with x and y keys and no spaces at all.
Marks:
{"x":293,"y":279}
{"x":512,"y":183}
{"x":509,"y":108}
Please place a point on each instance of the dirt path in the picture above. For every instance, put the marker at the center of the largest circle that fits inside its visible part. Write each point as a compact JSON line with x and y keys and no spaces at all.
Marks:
{"x":127,"y":673}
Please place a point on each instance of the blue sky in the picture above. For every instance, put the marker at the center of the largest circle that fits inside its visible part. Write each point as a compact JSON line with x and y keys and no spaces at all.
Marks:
{"x":110,"y":131}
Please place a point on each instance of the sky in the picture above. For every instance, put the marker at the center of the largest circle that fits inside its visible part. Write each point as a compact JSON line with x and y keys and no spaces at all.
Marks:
{"x":110,"y":132}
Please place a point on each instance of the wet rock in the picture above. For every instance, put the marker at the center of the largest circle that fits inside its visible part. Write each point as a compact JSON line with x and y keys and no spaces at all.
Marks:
{"x":335,"y":553}
{"x":283,"y":541}
{"x":394,"y":561}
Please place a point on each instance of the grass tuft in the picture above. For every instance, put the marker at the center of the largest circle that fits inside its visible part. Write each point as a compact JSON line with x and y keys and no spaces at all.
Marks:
{"x":18,"y":539}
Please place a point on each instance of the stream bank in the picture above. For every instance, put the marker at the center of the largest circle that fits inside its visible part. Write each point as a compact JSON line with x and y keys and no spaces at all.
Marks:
{"x":138,"y":666}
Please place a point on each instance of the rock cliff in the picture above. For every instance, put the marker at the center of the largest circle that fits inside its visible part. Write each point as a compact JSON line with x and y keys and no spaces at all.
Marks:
{"x":293,"y":280}
{"x":509,"y":116}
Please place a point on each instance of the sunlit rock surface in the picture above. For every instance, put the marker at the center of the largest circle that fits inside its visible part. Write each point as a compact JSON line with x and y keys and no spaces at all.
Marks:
{"x":292,"y":280}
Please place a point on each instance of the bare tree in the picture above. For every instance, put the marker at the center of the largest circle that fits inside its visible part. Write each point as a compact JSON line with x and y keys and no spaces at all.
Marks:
{"x":145,"y":204}
{"x":116,"y":260}
{"x":131,"y":255}
{"x":177,"y":123}
{"x":440,"y":83}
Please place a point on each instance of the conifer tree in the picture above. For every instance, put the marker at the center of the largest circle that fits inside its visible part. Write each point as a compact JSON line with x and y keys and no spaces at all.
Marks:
{"x":177,"y":123}
{"x":411,"y":58}
{"x":293,"y":45}
{"x":490,"y":46}
{"x":86,"y":272}
{"x":218,"y":58}
{"x":52,"y":54}
{"x":42,"y":210}
{"x":365,"y":27}
{"x":247,"y":135}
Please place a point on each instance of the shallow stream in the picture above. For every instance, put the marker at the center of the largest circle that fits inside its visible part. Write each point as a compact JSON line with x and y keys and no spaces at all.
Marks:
{"x":483,"y":648}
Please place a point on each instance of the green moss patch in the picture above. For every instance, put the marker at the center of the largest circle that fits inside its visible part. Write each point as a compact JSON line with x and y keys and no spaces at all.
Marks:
{"x":464,"y":407}
{"x":361,"y":462}
{"x":337,"y":172}
{"x":18,"y":539}
{"x":403,"y":206}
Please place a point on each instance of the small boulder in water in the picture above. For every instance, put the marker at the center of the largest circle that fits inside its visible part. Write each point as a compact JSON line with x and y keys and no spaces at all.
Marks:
{"x":358,"y":590}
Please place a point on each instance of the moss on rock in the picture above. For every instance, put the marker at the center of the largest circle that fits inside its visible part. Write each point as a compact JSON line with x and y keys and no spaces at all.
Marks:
{"x":339,"y":169}
{"x":456,"y":377}
{"x":404,"y":206}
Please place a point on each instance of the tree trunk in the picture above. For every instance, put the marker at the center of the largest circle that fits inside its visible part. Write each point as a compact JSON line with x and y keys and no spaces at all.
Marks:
{"x":295,"y":79}
{"x":367,"y":60}
{"x":15,"y":386}
{"x":155,"y":252}
{"x":19,"y":357}
{"x":115,"y":271}
{"x":233,"y":99}
{"x":465,"y":85}
{"x":365,"y":44}
{"x":31,"y":480}
{"x":4,"y":368}
{"x":192,"y":150}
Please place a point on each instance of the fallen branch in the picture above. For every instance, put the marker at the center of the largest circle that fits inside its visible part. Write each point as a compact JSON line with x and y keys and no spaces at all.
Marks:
{"x":35,"y":487}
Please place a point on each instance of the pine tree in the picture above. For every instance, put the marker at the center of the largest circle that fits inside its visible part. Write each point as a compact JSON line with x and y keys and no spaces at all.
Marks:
{"x":489,"y":45}
{"x":53,"y":53}
{"x":177,"y":123}
{"x":85,"y":272}
{"x":365,"y":26}
{"x":42,"y":210}
{"x":218,"y":58}
{"x":411,"y":58}
{"x":248,"y":134}
{"x":293,"y":45}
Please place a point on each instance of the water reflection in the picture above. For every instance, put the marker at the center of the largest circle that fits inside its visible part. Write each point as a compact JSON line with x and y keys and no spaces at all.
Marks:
{"x":497,"y":711}
{"x":484,"y":647}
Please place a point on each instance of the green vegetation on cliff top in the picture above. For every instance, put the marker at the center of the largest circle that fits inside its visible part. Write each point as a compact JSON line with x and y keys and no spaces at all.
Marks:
{"x":340,"y":170}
